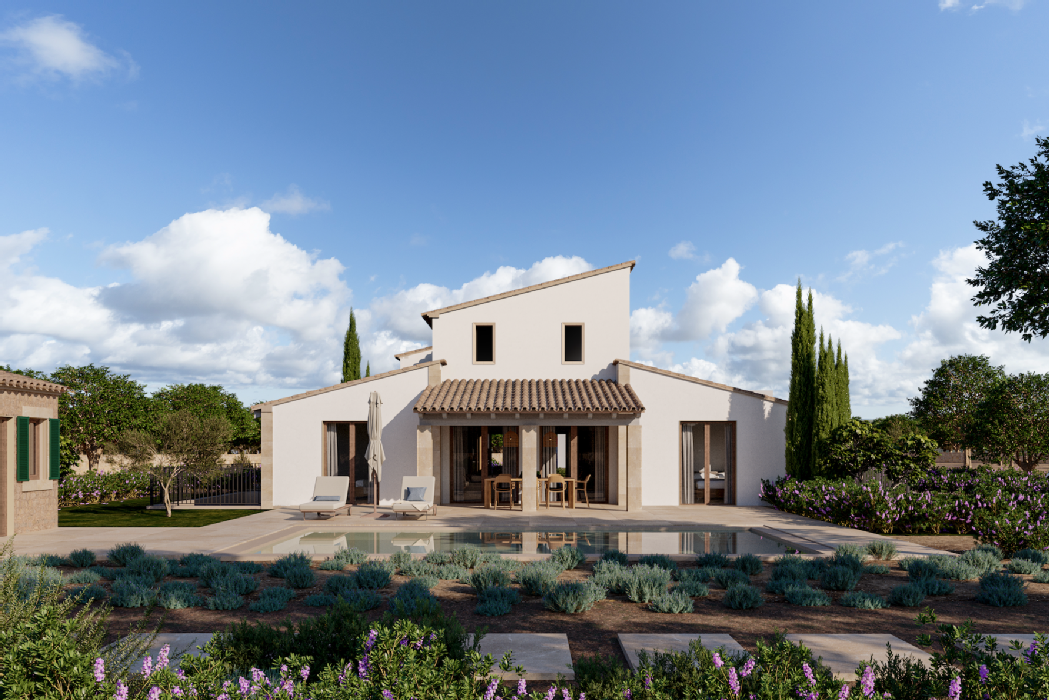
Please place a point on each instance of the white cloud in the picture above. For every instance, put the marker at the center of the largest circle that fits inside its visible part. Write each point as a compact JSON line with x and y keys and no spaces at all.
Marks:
{"x":294,"y":202}
{"x":213,"y":296}
{"x":13,"y":247}
{"x":51,"y":48}
{"x":714,"y":300}
{"x":1030,"y":129}
{"x":866,"y":263}
{"x":949,"y":4}
{"x":684,"y":250}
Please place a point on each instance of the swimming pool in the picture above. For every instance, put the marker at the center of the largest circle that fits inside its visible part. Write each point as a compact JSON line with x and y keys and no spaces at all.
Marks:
{"x":681,"y":542}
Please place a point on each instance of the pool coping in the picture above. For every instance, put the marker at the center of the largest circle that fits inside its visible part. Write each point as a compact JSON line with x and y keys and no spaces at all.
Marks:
{"x":246,"y":549}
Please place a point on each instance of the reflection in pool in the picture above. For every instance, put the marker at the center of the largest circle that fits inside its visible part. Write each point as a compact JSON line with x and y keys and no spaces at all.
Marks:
{"x":678,"y":542}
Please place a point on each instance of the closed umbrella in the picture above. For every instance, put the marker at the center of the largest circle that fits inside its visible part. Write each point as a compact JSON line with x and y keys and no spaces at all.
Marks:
{"x":374,"y":456}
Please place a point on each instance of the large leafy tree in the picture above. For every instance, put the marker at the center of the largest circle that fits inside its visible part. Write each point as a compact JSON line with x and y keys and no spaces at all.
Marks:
{"x":950,"y":398}
{"x":802,"y":398}
{"x":1012,"y":421}
{"x":858,"y":446}
{"x":99,"y":405}
{"x":1015,"y":283}
{"x":351,"y":352}
{"x":182,"y":443}
{"x":211,"y":401}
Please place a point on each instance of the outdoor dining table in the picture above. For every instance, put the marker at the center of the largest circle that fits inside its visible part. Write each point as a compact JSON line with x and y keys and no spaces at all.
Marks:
{"x":543,"y":486}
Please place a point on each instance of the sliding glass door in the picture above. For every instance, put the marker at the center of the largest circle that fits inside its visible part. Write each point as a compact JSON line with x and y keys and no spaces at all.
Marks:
{"x":708,"y":462}
{"x":346,"y":445}
{"x":592,"y":462}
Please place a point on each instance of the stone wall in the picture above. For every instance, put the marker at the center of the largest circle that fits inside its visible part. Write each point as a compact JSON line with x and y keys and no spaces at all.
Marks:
{"x":36,"y":510}
{"x":22,"y":509}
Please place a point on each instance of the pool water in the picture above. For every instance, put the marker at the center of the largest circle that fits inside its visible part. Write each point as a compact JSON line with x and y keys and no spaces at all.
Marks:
{"x":589,"y":542}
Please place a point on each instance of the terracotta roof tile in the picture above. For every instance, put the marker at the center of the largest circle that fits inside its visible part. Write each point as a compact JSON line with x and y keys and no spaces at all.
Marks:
{"x":529,"y":396}
{"x":19,"y":381}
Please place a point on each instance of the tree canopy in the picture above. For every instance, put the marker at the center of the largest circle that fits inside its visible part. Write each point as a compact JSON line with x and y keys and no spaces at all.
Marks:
{"x":182,"y":442}
{"x":858,"y":446}
{"x":1011,"y":424}
{"x":1015,"y":283}
{"x":949,"y":399}
{"x":211,"y":401}
{"x":99,"y":405}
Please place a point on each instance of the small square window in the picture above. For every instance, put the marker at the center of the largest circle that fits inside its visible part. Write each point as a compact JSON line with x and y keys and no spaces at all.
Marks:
{"x":484,"y":343}
{"x":572,"y":343}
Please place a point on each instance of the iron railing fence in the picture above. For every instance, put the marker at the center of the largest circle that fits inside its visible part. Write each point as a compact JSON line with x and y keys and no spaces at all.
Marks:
{"x":236,"y":486}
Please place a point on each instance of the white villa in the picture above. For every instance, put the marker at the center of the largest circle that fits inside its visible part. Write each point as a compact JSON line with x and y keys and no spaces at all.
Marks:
{"x":525,"y":383}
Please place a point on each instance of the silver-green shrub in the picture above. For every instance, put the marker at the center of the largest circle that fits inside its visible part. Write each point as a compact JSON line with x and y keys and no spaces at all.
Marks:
{"x":82,"y":558}
{"x":272,"y":599}
{"x":805,"y":596}
{"x":863,"y":601}
{"x":727,"y":578}
{"x":567,"y":557}
{"x":574,"y":596}
{"x":909,"y":595}
{"x":749,"y":564}
{"x":124,"y":554}
{"x":673,"y":602}
{"x":840,"y":578}
{"x":882,"y":549}
{"x":645,"y":583}
{"x":537,"y":577}
{"x":742,"y":597}
{"x":1002,"y":590}
{"x":176,"y":595}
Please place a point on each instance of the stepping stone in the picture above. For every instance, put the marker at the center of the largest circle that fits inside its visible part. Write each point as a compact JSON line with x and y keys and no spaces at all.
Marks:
{"x":543,"y":656}
{"x":180,"y":642}
{"x":1006,"y":640}
{"x":842,"y":653}
{"x":633,"y":643}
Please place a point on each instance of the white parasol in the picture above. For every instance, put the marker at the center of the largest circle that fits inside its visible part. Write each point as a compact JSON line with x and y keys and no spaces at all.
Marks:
{"x":374,"y":456}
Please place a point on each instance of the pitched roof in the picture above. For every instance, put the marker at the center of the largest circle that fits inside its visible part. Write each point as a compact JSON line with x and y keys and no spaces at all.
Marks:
{"x":406,"y":353}
{"x":704,"y":382}
{"x":429,"y":316}
{"x":529,"y":396}
{"x":20,"y":381}
{"x":336,"y":387}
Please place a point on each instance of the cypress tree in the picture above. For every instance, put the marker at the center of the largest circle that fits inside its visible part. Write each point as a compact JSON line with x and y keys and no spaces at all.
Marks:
{"x":351,"y":352}
{"x":841,"y":367}
{"x":799,"y":426}
{"x":368,"y":369}
{"x":826,"y":413}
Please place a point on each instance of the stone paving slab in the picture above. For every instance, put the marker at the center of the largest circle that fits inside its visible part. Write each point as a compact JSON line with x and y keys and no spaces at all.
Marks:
{"x":179,"y":643}
{"x":543,"y":656}
{"x":631,"y":644}
{"x":842,"y":653}
{"x":1006,"y":640}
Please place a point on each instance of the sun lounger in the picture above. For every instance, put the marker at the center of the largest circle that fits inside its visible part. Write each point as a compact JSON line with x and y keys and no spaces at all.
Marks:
{"x":329,"y":496}
{"x":421,"y":503}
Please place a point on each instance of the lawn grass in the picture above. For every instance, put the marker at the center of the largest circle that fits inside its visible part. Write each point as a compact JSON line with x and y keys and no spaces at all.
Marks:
{"x":133,"y":513}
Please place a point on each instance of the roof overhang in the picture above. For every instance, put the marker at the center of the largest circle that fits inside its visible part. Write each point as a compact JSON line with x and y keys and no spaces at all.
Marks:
{"x":529,"y":396}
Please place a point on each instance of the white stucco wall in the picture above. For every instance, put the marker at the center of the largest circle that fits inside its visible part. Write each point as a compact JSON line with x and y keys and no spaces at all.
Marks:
{"x":298,"y":433}
{"x":669,"y":401}
{"x":528,"y":331}
{"x":416,"y":357}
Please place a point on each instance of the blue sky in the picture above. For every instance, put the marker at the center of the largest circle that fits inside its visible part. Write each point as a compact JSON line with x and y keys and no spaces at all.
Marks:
{"x":402,"y":155}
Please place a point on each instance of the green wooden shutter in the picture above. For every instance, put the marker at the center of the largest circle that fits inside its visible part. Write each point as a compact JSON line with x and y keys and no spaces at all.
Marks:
{"x":22,"y":448}
{"x":55,"y":453}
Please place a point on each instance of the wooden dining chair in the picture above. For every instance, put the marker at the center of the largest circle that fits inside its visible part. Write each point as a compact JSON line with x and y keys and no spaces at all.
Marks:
{"x":580,"y":488}
{"x":503,"y":485}
{"x":555,"y":486}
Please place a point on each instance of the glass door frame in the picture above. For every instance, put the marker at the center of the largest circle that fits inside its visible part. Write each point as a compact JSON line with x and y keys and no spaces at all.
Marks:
{"x":733,"y":467}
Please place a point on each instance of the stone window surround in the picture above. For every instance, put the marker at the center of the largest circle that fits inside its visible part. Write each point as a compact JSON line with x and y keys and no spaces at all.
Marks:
{"x":40,"y":482}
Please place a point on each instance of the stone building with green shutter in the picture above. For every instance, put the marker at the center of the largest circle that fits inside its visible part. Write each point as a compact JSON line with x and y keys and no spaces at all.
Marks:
{"x":29,"y":454}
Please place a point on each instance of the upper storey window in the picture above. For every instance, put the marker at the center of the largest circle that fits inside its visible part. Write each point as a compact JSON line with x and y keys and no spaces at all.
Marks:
{"x":484,"y":343}
{"x":571,"y":343}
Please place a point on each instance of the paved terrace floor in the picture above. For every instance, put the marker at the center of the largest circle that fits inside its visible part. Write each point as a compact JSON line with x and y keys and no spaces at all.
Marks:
{"x":234,"y":539}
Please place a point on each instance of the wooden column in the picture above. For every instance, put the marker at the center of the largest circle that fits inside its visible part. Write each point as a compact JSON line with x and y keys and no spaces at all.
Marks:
{"x":706,"y":463}
{"x":573,"y":452}
{"x":351,"y":454}
{"x":482,"y":453}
